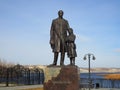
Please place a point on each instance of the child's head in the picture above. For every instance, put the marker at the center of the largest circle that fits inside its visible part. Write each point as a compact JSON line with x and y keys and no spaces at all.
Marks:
{"x":71,"y":30}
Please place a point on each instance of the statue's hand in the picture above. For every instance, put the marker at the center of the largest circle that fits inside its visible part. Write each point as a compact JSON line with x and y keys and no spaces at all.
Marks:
{"x":51,"y":41}
{"x":52,"y":46}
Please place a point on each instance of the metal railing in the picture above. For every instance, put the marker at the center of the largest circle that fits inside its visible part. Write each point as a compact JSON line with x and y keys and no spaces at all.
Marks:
{"x":99,"y":83}
{"x":20,"y":75}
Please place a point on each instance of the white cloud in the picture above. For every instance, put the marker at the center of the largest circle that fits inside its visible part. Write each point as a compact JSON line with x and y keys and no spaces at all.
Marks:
{"x":117,"y":50}
{"x":83,"y":38}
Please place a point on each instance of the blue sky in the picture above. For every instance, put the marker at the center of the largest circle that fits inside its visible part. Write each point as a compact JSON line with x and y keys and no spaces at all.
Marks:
{"x":25,"y":30}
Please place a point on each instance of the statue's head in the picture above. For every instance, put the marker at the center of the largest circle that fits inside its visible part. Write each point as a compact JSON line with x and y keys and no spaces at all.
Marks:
{"x":60,"y":13}
{"x":70,"y":30}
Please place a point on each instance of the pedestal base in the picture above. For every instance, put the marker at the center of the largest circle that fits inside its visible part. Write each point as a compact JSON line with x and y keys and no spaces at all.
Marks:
{"x":61,"y":78}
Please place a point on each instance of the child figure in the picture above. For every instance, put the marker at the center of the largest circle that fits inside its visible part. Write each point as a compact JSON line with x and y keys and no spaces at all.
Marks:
{"x":71,"y":47}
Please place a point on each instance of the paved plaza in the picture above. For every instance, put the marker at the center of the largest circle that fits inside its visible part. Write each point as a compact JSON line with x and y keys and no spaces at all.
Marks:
{"x":40,"y":86}
{"x":103,"y":89}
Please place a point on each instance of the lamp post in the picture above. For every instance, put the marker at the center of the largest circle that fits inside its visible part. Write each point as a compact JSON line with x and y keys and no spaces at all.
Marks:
{"x":89,"y":57}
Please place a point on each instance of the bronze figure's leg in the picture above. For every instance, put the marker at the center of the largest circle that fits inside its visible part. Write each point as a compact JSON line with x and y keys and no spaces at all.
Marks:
{"x":55,"y":58}
{"x":70,"y":61}
{"x":62,"y":58}
{"x":73,"y":60}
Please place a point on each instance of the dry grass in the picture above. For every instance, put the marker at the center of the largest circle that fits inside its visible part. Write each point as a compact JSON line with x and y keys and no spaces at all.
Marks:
{"x":33,"y":89}
{"x":112,"y":76}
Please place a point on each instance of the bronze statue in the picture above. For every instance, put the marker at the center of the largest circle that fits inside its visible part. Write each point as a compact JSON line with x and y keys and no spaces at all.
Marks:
{"x":71,"y":47}
{"x":58,"y":34}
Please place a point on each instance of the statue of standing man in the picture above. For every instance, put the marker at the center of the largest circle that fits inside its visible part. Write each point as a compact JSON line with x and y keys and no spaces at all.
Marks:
{"x":58,"y":34}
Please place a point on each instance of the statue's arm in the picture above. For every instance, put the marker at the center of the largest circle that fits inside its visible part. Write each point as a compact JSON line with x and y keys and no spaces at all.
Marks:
{"x":52,"y":35}
{"x":68,"y":26}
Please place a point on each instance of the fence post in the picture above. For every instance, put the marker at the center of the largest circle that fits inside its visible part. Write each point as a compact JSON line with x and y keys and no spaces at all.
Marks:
{"x":7,"y":77}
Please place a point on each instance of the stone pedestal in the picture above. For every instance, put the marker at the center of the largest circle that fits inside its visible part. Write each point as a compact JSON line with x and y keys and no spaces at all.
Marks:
{"x":61,"y":78}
